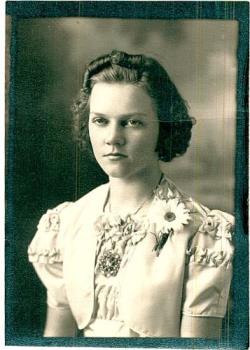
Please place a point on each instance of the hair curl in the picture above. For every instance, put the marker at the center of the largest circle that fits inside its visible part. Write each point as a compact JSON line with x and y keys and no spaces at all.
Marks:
{"x":175,"y":122}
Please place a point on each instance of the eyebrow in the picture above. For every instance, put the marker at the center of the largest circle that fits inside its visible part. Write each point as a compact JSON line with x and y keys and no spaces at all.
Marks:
{"x":122,"y":115}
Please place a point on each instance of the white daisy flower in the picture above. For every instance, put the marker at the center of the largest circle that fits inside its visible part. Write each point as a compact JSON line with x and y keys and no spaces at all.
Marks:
{"x":169,"y":215}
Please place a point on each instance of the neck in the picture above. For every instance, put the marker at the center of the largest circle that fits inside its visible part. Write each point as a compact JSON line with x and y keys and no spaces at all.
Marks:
{"x":128,"y":194}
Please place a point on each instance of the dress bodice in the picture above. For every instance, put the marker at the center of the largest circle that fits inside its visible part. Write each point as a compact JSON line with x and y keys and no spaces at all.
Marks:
{"x":101,"y":267}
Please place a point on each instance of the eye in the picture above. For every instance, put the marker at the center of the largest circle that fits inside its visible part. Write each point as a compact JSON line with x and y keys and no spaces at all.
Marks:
{"x":134,"y":123}
{"x":100,"y":121}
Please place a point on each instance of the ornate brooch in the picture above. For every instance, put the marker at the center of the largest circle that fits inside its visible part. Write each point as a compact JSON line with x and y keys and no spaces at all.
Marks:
{"x":109,"y":263}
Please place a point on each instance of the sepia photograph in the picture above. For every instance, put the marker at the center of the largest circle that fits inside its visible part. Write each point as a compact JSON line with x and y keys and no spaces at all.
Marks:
{"x":122,"y":191}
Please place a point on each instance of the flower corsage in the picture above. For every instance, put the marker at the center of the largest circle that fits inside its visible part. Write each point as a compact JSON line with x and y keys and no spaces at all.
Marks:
{"x":168,"y":216}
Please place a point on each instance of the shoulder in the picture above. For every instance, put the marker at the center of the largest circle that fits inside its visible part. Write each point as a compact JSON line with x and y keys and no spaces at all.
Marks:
{"x":47,"y":244}
{"x":63,"y":212}
{"x":211,"y":242}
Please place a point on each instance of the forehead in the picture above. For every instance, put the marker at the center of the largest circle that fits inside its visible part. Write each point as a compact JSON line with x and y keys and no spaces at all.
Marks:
{"x":120,"y":98}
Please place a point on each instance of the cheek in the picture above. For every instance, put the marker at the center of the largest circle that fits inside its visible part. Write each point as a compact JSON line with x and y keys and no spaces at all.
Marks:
{"x":94,"y":137}
{"x":96,"y":146}
{"x":146,"y":143}
{"x":151,"y":139}
{"x":153,"y":133}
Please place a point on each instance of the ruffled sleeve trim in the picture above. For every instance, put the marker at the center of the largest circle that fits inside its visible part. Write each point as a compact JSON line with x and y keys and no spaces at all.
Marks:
{"x":215,"y":244}
{"x":45,"y":256}
{"x":46,"y":247}
{"x":209,"y":257}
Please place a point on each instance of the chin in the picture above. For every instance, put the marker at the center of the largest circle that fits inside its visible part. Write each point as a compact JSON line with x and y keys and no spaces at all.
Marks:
{"x":116,"y":173}
{"x":115,"y":170}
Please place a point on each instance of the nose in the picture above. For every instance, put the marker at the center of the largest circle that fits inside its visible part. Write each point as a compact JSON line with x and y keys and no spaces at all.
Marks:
{"x":115,"y":135}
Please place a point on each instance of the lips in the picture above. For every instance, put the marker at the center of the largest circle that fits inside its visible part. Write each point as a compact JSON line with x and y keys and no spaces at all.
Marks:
{"x":115,"y":155}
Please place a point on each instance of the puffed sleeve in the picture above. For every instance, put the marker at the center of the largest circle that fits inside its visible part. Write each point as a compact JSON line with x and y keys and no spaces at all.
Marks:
{"x":45,"y":252}
{"x":209,"y":266}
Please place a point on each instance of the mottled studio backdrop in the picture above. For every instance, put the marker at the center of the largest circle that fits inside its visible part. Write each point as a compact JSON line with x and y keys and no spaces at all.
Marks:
{"x":50,"y":55}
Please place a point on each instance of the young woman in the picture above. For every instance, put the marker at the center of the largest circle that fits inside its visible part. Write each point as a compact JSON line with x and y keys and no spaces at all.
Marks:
{"x":135,"y":257}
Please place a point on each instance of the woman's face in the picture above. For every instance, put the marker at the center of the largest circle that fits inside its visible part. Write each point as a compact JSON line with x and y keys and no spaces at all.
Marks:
{"x":123,"y":129}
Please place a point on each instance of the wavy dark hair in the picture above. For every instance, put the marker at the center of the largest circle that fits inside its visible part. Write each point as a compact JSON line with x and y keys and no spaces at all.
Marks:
{"x":146,"y":72}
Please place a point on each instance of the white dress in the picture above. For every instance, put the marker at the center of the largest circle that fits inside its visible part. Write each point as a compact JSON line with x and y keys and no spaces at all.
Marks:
{"x":197,"y":261}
